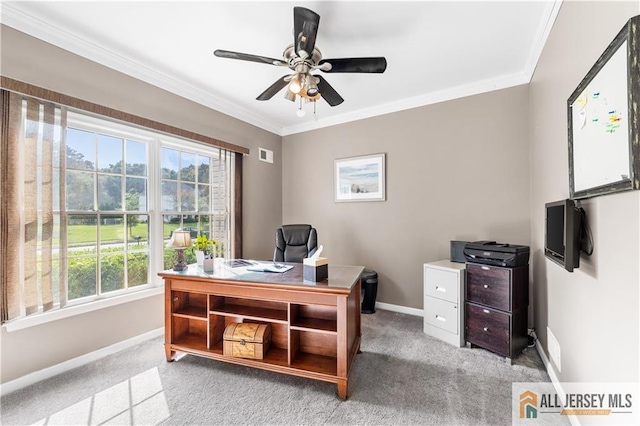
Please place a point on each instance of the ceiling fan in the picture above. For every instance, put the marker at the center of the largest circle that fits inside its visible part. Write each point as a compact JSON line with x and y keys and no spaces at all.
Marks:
{"x":302,"y":57}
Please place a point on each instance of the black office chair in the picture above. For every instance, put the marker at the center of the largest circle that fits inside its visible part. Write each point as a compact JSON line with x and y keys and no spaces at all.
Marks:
{"x":294,"y":243}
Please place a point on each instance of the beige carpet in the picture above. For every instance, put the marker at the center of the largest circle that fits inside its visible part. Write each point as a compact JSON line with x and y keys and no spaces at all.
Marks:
{"x":403,"y":377}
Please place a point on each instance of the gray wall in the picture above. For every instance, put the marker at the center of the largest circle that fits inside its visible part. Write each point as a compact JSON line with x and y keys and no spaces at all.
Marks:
{"x":510,"y":146}
{"x":457,"y":170}
{"x":33,"y":61}
{"x":593,"y":312}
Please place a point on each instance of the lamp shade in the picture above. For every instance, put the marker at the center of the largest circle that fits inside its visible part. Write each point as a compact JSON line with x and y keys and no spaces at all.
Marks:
{"x":180,"y":239}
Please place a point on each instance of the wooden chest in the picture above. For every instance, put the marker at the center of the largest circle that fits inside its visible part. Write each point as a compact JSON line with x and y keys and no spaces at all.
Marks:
{"x":246,"y":340}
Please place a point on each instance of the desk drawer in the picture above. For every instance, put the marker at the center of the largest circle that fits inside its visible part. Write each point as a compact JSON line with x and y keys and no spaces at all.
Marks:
{"x":441,"y":314}
{"x":488,"y":328}
{"x":441,"y":284}
{"x":489,"y":285}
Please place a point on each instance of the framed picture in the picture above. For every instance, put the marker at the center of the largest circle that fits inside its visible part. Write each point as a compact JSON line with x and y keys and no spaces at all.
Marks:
{"x":360,"y":178}
{"x":604,"y":143}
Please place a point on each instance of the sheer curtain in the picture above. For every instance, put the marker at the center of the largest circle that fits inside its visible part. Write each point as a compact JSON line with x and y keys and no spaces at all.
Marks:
{"x":222,"y":203}
{"x":31,"y":221}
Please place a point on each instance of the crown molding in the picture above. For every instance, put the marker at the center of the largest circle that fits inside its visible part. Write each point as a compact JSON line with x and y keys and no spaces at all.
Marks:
{"x":415,"y":102}
{"x":553,"y":8}
{"x":43,"y":30}
{"x":37,"y":27}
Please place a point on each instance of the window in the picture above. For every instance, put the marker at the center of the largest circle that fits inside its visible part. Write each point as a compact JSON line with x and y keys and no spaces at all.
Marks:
{"x":106,"y":181}
{"x":195,"y":195}
{"x":97,"y":201}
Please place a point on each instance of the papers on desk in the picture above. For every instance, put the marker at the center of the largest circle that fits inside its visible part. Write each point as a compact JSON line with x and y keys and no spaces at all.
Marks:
{"x":239,"y":263}
{"x":242,"y":266}
{"x":269,"y":267}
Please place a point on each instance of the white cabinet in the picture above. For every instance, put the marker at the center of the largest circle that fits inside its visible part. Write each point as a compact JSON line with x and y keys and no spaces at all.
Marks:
{"x":444,"y":301}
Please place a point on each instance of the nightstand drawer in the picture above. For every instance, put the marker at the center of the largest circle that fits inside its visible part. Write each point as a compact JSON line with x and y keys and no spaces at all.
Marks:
{"x":441,"y":314}
{"x":489,"y":329}
{"x":441,"y":284}
{"x":489,"y":285}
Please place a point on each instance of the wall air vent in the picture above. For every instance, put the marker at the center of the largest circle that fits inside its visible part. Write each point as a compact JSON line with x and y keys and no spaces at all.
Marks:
{"x":265,"y":155}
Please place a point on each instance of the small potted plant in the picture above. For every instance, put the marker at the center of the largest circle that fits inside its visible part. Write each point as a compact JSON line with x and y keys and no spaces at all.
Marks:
{"x":205,"y":248}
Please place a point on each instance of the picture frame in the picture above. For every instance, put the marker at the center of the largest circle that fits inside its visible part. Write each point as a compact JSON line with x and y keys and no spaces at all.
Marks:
{"x":360,"y":178}
{"x":604,"y":141}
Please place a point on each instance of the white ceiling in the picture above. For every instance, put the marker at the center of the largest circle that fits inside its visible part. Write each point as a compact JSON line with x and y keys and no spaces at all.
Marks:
{"x":435,"y":50}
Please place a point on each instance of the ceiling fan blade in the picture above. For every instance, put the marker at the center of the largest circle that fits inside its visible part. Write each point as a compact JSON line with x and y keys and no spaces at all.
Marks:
{"x":305,"y":30}
{"x":329,"y":93}
{"x":247,"y":57}
{"x":367,"y":65}
{"x":274,"y":88}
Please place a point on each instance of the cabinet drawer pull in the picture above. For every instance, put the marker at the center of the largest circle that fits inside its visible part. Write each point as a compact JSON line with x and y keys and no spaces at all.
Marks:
{"x":439,"y":318}
{"x":175,"y":299}
{"x":486,"y":329}
{"x":486,"y":286}
{"x":486,"y":268}
{"x":442,"y":289}
{"x":486,"y":311}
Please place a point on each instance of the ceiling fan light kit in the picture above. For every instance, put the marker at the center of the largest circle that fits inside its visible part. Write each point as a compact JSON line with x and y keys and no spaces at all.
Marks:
{"x":302,"y":57}
{"x":288,"y":94}
{"x":312,"y":87}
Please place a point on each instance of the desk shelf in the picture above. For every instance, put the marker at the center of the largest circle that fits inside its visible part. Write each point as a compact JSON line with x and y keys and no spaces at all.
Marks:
{"x":193,"y":341}
{"x":315,"y":363}
{"x":315,"y":325}
{"x":189,"y":305}
{"x":250,"y":309}
{"x":318,"y":318}
{"x":252,"y":313}
{"x":192,"y":312}
{"x":306,"y":337}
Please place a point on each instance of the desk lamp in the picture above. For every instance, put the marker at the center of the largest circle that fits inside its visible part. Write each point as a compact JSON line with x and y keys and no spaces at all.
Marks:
{"x":180,"y":240}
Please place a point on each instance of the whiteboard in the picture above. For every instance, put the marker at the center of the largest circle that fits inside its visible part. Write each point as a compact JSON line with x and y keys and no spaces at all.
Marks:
{"x":600,"y":127}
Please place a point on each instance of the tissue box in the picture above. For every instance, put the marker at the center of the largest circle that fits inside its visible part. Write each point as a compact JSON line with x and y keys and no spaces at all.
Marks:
{"x":315,"y":269}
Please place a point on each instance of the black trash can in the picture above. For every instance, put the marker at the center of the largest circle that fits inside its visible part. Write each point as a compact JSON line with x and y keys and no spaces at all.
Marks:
{"x":369,"y":288}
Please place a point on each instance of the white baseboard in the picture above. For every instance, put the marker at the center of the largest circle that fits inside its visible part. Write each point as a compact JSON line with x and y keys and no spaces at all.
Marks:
{"x":554,"y":379}
{"x":31,"y":378}
{"x":400,"y":309}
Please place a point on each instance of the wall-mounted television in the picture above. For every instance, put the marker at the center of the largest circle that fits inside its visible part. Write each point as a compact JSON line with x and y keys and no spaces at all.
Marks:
{"x":562,"y":233}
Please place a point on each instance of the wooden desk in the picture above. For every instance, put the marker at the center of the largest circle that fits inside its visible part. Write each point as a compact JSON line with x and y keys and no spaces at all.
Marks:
{"x":315,"y":326}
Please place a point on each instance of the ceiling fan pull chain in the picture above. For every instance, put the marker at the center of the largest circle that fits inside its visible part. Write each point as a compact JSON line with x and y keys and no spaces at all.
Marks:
{"x":300,"y":112}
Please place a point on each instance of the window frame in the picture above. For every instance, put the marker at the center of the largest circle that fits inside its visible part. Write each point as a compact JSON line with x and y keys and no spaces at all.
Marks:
{"x":199,"y":149}
{"x":234,"y":153}
{"x":87,"y":122}
{"x":155,"y":141}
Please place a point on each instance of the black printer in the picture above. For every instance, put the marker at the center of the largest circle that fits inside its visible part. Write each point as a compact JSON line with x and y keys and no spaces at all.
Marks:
{"x":497,"y":254}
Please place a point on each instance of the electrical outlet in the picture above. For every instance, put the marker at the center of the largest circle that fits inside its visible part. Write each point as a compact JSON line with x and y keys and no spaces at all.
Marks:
{"x":554,"y":350}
